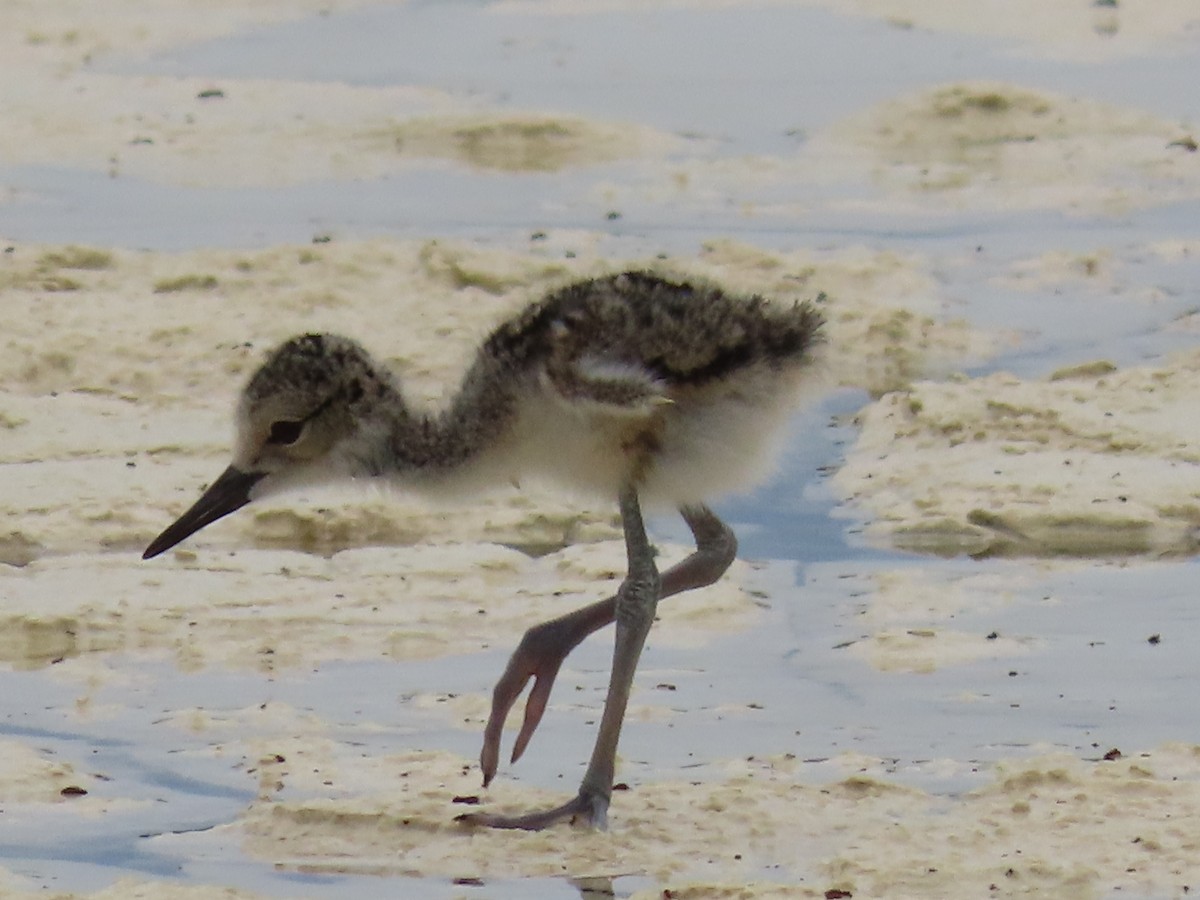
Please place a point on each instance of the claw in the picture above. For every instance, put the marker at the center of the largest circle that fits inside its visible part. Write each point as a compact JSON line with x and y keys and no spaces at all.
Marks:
{"x":489,"y":760}
{"x":489,"y":754}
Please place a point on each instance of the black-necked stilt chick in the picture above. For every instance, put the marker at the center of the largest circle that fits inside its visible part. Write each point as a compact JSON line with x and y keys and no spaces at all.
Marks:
{"x":629,"y":386}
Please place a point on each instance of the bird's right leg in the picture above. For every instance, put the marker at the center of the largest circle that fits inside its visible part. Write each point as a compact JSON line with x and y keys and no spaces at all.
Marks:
{"x":636,"y":601}
{"x":544,"y":647}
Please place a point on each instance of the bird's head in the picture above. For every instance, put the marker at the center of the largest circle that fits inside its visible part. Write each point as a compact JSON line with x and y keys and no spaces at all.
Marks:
{"x":304,"y":417}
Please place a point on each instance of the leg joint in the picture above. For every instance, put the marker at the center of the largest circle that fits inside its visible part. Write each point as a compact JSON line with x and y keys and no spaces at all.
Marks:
{"x":637,"y":600}
{"x":715,"y":541}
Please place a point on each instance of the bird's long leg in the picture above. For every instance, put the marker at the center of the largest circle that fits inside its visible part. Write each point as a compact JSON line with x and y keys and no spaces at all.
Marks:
{"x":634,"y":614}
{"x":544,"y":647}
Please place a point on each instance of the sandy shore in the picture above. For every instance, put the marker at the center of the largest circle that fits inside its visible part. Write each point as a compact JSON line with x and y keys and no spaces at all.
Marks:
{"x":120,"y":371}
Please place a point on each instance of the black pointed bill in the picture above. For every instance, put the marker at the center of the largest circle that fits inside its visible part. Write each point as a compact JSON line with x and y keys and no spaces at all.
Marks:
{"x":230,"y":492}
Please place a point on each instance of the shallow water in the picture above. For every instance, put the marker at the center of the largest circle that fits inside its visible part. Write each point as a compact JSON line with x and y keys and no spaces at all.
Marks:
{"x":1083,"y":675}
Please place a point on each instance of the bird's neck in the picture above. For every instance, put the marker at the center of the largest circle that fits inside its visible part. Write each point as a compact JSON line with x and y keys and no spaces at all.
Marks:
{"x":435,"y":443}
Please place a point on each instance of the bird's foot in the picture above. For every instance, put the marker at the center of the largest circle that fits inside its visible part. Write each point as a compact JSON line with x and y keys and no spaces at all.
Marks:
{"x":539,"y":656}
{"x":586,"y":809}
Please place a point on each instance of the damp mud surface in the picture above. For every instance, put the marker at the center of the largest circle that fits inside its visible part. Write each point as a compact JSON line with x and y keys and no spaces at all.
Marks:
{"x":956,"y":656}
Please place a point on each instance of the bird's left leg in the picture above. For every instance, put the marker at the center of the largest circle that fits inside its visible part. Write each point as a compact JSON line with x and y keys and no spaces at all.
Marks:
{"x":635,"y":605}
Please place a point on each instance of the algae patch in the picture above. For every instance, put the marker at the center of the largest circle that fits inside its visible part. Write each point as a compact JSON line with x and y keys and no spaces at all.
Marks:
{"x":517,"y":144}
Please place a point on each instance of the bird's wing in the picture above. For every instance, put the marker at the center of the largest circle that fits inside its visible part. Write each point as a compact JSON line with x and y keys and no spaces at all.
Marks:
{"x":604,"y":384}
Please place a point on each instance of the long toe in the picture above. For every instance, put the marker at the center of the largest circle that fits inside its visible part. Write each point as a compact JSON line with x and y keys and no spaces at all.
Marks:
{"x":539,"y":657}
{"x":585,"y":809}
{"x":505,"y":695}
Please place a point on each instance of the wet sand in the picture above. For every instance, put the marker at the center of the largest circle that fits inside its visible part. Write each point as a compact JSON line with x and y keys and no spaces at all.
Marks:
{"x":290,"y":704}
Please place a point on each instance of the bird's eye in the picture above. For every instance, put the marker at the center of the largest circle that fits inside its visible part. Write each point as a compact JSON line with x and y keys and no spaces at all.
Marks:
{"x":285,"y":432}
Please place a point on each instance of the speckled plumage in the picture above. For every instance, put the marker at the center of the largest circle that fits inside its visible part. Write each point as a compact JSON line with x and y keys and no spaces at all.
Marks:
{"x":680,"y":333}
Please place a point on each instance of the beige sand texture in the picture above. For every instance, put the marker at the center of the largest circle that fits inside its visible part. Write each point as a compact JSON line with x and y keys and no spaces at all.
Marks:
{"x":1092,"y":460}
{"x":992,"y":145}
{"x":121,"y":367}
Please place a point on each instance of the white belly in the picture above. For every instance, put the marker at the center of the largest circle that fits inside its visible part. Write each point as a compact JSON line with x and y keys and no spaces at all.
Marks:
{"x":707,"y":442}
